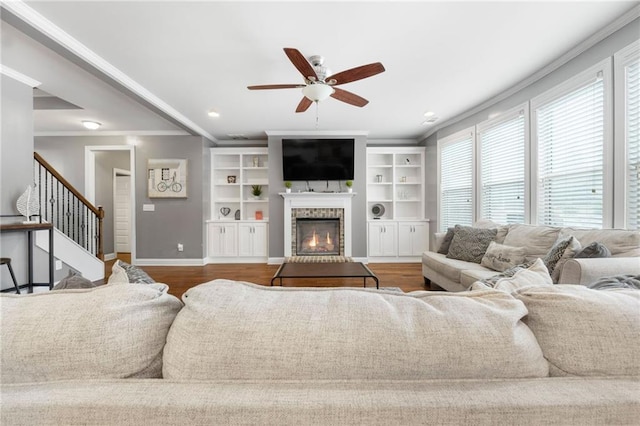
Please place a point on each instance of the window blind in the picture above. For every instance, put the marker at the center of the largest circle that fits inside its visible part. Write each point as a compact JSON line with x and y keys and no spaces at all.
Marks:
{"x":502,"y":171}
{"x":632,"y":130}
{"x":456,"y":183}
{"x":570,"y":133}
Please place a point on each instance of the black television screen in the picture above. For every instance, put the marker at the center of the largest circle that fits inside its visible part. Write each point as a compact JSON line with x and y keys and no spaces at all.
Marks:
{"x":317,"y":159}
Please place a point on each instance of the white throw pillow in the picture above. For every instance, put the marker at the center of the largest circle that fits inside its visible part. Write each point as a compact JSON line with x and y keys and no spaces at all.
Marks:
{"x":585,"y":332}
{"x":535,"y":275}
{"x":500,"y":257}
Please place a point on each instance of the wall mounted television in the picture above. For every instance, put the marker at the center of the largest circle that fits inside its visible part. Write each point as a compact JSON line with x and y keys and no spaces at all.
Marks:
{"x":317,"y":159}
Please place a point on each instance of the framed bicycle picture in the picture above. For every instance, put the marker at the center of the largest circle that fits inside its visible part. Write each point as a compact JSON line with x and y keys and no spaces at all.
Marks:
{"x":167,"y":178}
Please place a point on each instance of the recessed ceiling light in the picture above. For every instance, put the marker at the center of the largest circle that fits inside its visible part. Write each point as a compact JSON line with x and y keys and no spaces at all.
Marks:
{"x":213,"y":113}
{"x":429,"y":114}
{"x":91,"y":125}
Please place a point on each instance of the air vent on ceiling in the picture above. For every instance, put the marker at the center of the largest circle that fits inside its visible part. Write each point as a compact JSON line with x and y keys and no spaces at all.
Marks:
{"x":238,"y":136}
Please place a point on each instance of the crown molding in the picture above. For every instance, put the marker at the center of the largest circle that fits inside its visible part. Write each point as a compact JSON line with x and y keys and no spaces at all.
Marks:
{"x":341,"y":133}
{"x":48,"y":29}
{"x":581,"y":47}
{"x":114,"y":133}
{"x":11,"y":73}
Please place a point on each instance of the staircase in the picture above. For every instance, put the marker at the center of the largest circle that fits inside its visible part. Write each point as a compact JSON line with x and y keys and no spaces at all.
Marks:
{"x":78,"y":223}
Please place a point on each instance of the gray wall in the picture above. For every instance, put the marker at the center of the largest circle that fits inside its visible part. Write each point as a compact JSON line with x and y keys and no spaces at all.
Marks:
{"x":605,"y":48}
{"x":174,"y":221}
{"x":276,"y":202}
{"x":16,"y":169}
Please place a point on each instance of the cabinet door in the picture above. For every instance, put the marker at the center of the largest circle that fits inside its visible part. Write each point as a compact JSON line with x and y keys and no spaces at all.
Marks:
{"x":260,"y":239}
{"x":382,"y":239}
{"x":412,"y":238}
{"x":252,"y":239}
{"x":222,"y":240}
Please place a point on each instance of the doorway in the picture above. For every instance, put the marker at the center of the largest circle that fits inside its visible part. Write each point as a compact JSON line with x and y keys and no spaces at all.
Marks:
{"x":125,"y":175}
{"x":122,"y":212}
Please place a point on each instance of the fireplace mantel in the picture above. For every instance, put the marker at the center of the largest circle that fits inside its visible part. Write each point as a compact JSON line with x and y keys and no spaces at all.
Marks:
{"x":320,"y":200}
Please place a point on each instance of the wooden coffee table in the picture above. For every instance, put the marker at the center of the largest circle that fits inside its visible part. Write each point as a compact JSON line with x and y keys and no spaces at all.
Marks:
{"x":325,"y":270}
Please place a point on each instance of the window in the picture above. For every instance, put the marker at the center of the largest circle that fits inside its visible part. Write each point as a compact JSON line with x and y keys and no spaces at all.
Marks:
{"x":571,"y":131}
{"x":502,"y":167}
{"x":627,"y":63}
{"x":455,"y":155}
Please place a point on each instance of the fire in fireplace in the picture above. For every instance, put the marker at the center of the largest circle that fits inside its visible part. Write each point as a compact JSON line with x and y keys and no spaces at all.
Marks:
{"x":317,"y":237}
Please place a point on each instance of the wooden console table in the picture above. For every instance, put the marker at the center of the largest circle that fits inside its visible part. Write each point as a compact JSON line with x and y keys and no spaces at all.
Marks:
{"x":30,"y":228}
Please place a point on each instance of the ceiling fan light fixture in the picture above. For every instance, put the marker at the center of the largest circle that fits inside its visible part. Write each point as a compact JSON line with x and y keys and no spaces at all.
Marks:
{"x":91,"y":125}
{"x":318,"y":92}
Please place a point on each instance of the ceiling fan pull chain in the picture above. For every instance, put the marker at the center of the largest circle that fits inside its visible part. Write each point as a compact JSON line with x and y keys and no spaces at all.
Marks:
{"x":317,"y":115}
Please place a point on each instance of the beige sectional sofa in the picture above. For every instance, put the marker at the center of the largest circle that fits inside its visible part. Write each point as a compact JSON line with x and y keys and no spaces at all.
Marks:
{"x":458,"y":275}
{"x":238,"y":353}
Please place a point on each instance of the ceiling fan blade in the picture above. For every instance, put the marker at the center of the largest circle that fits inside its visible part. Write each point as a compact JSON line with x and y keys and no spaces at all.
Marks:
{"x":348,"y":97}
{"x":276,"y":86}
{"x":300,"y":62}
{"x":357,"y":73}
{"x":304,"y":104}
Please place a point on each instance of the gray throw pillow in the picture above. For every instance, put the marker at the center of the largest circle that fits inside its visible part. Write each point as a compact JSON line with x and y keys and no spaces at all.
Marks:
{"x":470,"y":244}
{"x":446,"y":242}
{"x":594,"y":249}
{"x":73,"y":280}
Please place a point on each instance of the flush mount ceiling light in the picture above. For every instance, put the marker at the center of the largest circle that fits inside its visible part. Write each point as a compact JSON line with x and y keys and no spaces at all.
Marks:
{"x":91,"y":125}
{"x":213,"y":113}
{"x":429,"y":114}
{"x":318,"y":92}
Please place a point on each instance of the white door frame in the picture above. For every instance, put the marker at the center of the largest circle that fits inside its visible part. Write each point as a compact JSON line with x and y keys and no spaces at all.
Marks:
{"x":90,"y":181}
{"x":116,"y":173}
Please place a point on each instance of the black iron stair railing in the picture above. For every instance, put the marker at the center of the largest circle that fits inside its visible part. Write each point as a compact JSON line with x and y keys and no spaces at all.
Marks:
{"x":63,"y":206}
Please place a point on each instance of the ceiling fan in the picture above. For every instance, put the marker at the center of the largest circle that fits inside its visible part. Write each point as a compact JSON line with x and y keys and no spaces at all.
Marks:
{"x":319,"y":84}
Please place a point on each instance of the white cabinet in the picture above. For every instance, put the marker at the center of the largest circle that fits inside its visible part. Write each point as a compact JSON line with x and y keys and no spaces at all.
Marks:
{"x":413,"y":238}
{"x":221,"y":239}
{"x":234,"y":173}
{"x":252,"y":238}
{"x":382,"y":239}
{"x":395,"y":183}
{"x":395,"y":204}
{"x":237,"y":229}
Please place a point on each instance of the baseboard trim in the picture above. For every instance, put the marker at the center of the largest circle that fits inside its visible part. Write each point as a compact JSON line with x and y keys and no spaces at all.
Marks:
{"x":170,"y":262}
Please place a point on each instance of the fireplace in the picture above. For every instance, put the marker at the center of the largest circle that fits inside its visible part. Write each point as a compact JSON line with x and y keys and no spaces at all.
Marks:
{"x":334,"y":207}
{"x":317,"y":237}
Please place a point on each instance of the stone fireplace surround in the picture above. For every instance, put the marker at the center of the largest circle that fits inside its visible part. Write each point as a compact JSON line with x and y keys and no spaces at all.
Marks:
{"x":316,"y":213}
{"x":311,"y":204}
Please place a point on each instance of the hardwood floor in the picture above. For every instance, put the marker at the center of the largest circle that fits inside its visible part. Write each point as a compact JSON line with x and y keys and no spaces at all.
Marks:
{"x":407,"y":276}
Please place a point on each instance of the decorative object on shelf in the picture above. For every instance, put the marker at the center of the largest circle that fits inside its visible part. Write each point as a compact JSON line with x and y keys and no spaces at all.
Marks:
{"x":377,"y":210}
{"x":256,"y":162}
{"x":236,"y":215}
{"x":407,"y":161}
{"x":258,"y":214}
{"x":256,"y":191}
{"x":167,"y":178}
{"x":378,"y":178}
{"x":287,"y":186}
{"x":225,"y":211}
{"x":231,"y":179}
{"x":28,"y":204}
{"x":403,"y":179}
{"x":349,"y":185}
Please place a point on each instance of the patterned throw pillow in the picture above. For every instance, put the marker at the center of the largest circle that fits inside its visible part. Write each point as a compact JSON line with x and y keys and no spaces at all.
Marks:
{"x":491,"y":281}
{"x":122,"y":272}
{"x":470,"y":244}
{"x":444,"y":247}
{"x":556,"y":252}
{"x":500,"y":257}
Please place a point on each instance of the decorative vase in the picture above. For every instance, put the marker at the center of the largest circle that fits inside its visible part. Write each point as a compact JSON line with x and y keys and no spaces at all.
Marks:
{"x":287,"y":190}
{"x":349,"y":189}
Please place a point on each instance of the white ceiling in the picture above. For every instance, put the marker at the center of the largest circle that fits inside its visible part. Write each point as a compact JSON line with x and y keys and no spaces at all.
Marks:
{"x":445,"y":57}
